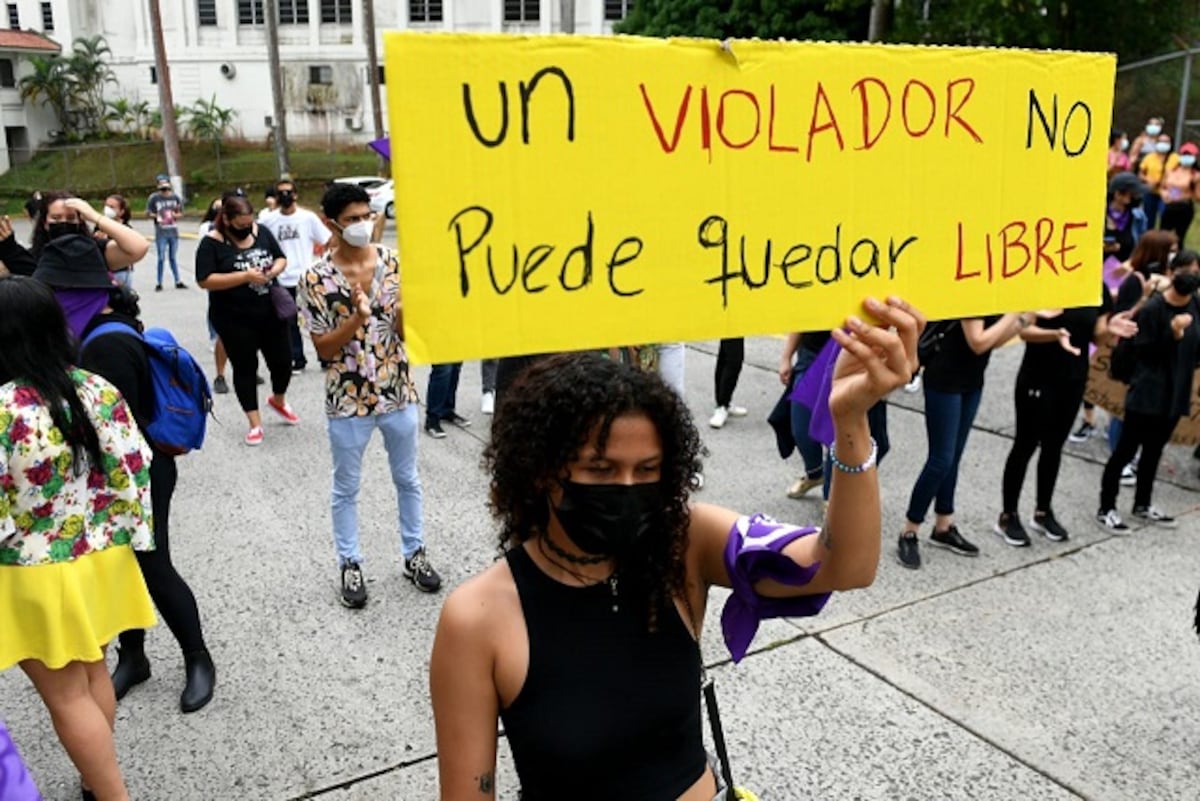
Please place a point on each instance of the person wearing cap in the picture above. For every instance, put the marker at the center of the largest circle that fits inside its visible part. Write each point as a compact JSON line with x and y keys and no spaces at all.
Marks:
{"x":164,"y":207}
{"x":1179,"y":191}
{"x":1126,"y":221}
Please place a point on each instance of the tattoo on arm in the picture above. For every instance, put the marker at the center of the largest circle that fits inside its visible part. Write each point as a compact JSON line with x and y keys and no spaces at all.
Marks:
{"x":487,"y":784}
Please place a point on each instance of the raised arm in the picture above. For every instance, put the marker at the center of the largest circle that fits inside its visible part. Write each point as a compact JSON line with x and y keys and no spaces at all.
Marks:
{"x":125,"y":245}
{"x":981,"y":339}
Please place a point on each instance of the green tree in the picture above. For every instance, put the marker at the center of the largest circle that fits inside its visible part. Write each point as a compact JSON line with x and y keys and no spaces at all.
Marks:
{"x":90,"y":74}
{"x":831,"y":20}
{"x":51,"y":84}
{"x":206,"y":120}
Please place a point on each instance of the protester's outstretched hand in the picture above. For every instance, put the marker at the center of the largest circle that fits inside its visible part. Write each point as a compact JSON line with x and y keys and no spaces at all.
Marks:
{"x":1123,"y":325}
{"x":875,"y":359}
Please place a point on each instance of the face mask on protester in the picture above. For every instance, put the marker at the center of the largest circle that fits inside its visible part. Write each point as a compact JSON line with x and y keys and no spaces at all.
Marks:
{"x":1124,"y":145}
{"x":1186,"y":283}
{"x":1162,"y":147}
{"x":608,"y":519}
{"x":358,"y":234}
{"x":1187,"y":161}
{"x":287,"y":199}
{"x":1154,"y":129}
{"x":110,"y":212}
{"x":57,"y":229}
{"x":240,"y":233}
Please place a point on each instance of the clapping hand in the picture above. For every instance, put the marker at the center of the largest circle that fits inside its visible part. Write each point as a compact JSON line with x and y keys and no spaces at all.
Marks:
{"x":875,"y":359}
{"x":362,"y":304}
{"x":1122,"y":325}
{"x":1064,"y":341}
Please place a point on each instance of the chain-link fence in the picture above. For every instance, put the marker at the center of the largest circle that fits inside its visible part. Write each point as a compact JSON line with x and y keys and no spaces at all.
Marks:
{"x":97,"y":169}
{"x":1152,"y":88}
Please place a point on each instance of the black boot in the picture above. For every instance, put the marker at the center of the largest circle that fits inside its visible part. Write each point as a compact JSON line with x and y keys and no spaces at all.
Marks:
{"x":132,"y":669}
{"x":201,"y":676}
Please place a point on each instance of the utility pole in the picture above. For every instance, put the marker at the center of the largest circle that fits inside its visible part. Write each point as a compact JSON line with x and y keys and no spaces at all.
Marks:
{"x":373,"y":67}
{"x":271,"y":9}
{"x":878,"y":25}
{"x":566,"y":11}
{"x":170,"y":130}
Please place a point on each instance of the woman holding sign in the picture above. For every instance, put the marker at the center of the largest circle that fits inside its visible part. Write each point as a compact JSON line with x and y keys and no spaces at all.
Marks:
{"x":583,"y":639}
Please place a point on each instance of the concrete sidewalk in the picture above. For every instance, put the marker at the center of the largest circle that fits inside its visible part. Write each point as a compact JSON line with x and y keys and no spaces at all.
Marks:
{"x":1053,"y":672}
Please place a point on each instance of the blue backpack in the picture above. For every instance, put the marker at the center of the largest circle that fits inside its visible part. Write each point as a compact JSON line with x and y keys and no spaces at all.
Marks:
{"x":182,"y":398}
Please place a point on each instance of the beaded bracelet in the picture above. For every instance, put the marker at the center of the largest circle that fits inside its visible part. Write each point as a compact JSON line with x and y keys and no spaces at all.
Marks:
{"x":862,"y":468}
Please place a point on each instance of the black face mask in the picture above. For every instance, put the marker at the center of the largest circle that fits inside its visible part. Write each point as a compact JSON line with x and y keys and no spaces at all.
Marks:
{"x":1186,"y":283}
{"x":240,"y":233}
{"x":609,"y":519}
{"x":287,"y":199}
{"x":1135,"y":202}
{"x":57,"y":229}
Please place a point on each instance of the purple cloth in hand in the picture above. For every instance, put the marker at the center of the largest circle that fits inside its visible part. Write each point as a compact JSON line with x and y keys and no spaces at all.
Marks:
{"x":1111,"y":279}
{"x":15,"y":782}
{"x":813,"y":391}
{"x":755,"y":552}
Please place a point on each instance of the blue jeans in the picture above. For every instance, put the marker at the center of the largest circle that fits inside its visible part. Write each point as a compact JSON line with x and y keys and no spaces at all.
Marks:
{"x":948,"y":419}
{"x":167,"y":245}
{"x":348,"y":438}
{"x":810,"y":450}
{"x":443,"y":389}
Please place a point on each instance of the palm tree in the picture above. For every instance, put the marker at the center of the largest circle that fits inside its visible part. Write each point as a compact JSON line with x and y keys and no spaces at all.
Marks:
{"x":90,"y":74}
{"x":49,"y":83}
{"x":207,"y":120}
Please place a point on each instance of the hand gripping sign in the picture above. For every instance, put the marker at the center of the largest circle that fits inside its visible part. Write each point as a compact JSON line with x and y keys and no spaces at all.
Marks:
{"x":562,"y":192}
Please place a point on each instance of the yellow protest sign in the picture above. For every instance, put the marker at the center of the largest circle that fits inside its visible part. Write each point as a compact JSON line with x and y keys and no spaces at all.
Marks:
{"x":559,"y":192}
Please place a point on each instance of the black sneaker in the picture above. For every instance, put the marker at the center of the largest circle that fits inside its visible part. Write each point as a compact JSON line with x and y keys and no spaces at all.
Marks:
{"x":220,"y":385}
{"x":456,"y":419}
{"x":422,"y":574}
{"x":434,"y":430}
{"x":952,"y":540}
{"x":158,"y":287}
{"x":354,"y":587}
{"x":1110,"y":521}
{"x":1046,"y":524}
{"x":180,"y":285}
{"x":908,"y":551}
{"x":1009,"y":528}
{"x":1154,"y":516}
{"x":1082,"y":434}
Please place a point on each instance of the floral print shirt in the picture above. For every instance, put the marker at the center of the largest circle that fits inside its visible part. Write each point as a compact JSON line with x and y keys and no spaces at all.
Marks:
{"x":370,"y":374}
{"x":47,"y":512}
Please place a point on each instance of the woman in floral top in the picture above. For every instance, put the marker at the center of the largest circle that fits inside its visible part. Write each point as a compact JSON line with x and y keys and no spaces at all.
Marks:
{"x":74,"y":504}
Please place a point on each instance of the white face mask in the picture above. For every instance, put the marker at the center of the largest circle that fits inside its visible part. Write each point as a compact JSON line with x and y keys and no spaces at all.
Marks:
{"x":1154,"y":130}
{"x":1124,"y":145}
{"x":1187,"y":161}
{"x":358,"y":234}
{"x":110,"y":212}
{"x":1162,"y":147}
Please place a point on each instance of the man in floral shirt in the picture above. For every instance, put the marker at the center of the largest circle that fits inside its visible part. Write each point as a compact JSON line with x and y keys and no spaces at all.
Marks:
{"x":350,"y":301}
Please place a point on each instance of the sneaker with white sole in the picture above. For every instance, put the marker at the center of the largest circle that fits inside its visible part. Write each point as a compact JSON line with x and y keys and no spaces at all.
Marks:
{"x":254,"y":436}
{"x":737,"y":411}
{"x":418,"y":570}
{"x":1009,"y":529}
{"x":719,"y":416}
{"x":1111,"y":521}
{"x":487,"y":405}
{"x":804,"y":485}
{"x":1082,"y":434}
{"x":284,"y":410}
{"x":914,"y":386}
{"x":952,"y":540}
{"x":1046,"y":524}
{"x":1154,"y":516}
{"x":1129,"y":476}
{"x":354,"y":587}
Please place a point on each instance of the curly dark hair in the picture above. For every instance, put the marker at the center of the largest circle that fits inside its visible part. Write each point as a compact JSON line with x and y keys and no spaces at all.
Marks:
{"x":543,"y":421}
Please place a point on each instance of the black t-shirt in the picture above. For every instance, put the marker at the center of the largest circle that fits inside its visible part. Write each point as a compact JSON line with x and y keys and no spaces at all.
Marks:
{"x":1162,"y":378}
{"x":1129,"y":293}
{"x":220,"y":256}
{"x":815,"y":340}
{"x":957,"y":368}
{"x":1047,"y":363}
{"x":1123,"y":237}
{"x":120,"y":358}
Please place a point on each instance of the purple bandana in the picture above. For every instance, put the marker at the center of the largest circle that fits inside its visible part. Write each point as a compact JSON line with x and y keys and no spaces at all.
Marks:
{"x":813,"y":391}
{"x":755,"y":552}
{"x":15,"y":782}
{"x":80,"y":306}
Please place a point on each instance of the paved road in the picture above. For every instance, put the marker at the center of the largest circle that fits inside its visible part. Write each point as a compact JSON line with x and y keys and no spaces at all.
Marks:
{"x":1054,"y":672}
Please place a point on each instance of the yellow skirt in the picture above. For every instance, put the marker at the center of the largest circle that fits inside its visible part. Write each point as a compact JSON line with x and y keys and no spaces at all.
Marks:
{"x":67,"y":611}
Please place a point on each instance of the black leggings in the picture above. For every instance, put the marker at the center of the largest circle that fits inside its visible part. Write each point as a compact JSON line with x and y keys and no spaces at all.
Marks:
{"x":1148,"y":432}
{"x":171,"y":594}
{"x":730,"y":356}
{"x":1044,"y":418}
{"x":244,"y":336}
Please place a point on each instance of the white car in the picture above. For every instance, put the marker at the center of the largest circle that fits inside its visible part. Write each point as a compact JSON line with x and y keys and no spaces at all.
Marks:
{"x":379,"y":189}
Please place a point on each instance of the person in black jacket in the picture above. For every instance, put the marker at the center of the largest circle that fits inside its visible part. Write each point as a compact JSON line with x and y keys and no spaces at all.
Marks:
{"x":1168,"y":351}
{"x":121,"y":358}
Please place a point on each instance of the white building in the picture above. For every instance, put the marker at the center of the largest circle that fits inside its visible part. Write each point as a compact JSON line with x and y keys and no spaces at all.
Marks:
{"x":218,"y":48}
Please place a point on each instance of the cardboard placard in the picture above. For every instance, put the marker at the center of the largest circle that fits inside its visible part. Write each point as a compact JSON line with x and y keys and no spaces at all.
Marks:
{"x":1109,"y":395}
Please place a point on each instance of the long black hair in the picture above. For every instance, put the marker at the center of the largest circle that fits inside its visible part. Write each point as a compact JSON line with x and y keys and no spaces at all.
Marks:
{"x":544,"y":420}
{"x":38,"y":351}
{"x":40,"y":235}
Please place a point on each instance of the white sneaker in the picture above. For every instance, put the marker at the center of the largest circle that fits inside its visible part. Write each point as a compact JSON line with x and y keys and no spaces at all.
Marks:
{"x":1128,"y":476}
{"x":913,"y":386}
{"x":1111,"y":521}
{"x":719,"y":417}
{"x":738,"y":411}
{"x":488,"y":404}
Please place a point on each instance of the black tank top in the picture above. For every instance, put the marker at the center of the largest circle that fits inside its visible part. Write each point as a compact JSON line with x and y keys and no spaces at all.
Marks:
{"x":609,"y":710}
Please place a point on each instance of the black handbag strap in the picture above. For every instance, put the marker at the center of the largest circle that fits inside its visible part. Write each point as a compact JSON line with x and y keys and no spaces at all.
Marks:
{"x":708,"y":689}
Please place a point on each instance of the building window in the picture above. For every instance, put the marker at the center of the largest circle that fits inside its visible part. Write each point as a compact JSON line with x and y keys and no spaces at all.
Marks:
{"x":293,"y":12}
{"x":14,"y":17}
{"x":47,"y":18}
{"x":617,"y":10}
{"x":250,"y":12}
{"x":153,"y":75}
{"x":424,"y":10}
{"x":522,"y":10}
{"x":321,"y":75}
{"x":336,"y":11}
{"x":8,"y":78}
{"x":206,"y":11}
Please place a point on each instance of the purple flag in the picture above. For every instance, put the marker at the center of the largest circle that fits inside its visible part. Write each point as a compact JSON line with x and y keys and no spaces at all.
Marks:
{"x":382,"y":146}
{"x":813,"y":391}
{"x":15,"y":781}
